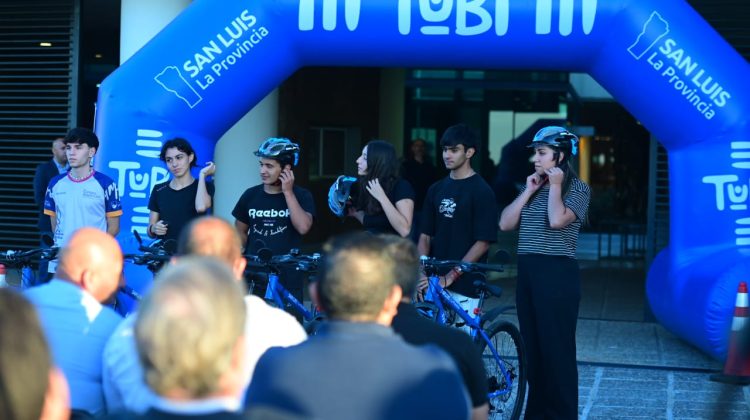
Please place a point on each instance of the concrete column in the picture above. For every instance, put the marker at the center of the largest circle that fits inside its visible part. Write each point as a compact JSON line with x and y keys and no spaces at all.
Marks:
{"x":236,"y":166}
{"x":140,"y":20}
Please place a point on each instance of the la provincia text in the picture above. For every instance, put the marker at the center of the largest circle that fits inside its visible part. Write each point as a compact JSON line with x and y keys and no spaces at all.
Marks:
{"x":688,"y":78}
{"x":225,"y":50}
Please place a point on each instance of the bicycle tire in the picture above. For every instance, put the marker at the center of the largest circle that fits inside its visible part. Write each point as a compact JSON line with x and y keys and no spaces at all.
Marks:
{"x":506,"y":339}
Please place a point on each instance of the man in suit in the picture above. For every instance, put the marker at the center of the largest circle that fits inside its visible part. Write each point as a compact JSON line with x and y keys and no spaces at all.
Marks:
{"x":44,"y":173}
{"x":356,"y":366}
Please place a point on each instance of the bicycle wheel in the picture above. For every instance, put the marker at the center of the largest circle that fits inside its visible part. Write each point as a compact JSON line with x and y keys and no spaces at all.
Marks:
{"x":506,"y":394}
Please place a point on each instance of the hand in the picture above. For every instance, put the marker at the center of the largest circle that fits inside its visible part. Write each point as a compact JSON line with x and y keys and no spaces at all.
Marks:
{"x":287,"y":180}
{"x":534,"y":182}
{"x":375,"y":190}
{"x":555,"y":175}
{"x":159,"y":228}
{"x":422,"y":285}
{"x":209,"y":169}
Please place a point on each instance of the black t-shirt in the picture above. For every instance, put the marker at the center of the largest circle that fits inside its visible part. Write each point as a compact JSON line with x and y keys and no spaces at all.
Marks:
{"x":420,"y":176}
{"x":267,"y":215}
{"x":176,"y":207}
{"x":418,"y":330}
{"x":456,"y":214}
{"x":378,"y":222}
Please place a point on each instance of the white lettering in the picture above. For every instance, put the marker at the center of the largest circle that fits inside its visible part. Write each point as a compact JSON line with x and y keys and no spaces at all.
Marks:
{"x":719,"y":181}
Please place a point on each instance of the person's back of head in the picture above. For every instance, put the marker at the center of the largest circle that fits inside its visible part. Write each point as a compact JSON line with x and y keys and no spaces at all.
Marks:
{"x":405,"y":257}
{"x":189,"y":331}
{"x":356,"y":283}
{"x":93,"y":260}
{"x":211,"y":236}
{"x":460,"y":134}
{"x":30,"y":386}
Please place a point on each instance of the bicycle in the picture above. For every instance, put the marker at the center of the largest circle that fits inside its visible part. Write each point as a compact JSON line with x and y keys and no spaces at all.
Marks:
{"x":276,"y":294}
{"x":500,"y":342}
{"x":23,"y":261}
{"x":152,"y":256}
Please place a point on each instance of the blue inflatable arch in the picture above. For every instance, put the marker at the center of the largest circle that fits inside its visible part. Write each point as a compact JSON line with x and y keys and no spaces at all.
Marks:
{"x":658,"y":58}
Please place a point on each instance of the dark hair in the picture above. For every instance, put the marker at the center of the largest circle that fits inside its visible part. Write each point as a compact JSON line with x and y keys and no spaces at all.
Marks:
{"x":460,"y":134}
{"x":283,"y":159}
{"x":25,"y":358}
{"x":181,"y":145}
{"x":356,"y":277}
{"x":383,"y":165}
{"x":82,"y":135}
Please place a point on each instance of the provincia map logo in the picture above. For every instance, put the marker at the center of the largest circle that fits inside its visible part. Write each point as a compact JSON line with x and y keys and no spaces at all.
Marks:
{"x":678,"y":68}
{"x":213,"y":60}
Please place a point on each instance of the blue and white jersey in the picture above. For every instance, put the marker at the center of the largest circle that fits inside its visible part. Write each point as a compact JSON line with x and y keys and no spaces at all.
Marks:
{"x":79,"y":203}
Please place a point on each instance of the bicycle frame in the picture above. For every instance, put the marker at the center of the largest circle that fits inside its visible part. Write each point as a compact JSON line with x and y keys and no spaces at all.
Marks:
{"x":440,"y":297}
{"x":278,"y":293}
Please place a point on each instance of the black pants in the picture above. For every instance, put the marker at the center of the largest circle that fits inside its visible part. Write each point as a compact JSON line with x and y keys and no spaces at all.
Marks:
{"x":548,"y":296}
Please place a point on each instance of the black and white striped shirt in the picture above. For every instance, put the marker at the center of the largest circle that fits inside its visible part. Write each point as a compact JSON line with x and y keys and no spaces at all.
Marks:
{"x":537,"y":237}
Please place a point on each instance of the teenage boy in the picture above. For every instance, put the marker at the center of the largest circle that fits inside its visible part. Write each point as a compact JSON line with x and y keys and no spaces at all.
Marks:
{"x":276,"y":213}
{"x":459,"y":219}
{"x":81,"y":197}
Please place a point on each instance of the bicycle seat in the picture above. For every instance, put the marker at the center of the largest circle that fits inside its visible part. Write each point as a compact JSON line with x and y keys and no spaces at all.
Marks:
{"x":488,"y":288}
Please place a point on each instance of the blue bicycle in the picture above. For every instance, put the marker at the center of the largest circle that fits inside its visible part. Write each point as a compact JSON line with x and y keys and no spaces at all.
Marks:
{"x":276,"y":294}
{"x":500,"y":341}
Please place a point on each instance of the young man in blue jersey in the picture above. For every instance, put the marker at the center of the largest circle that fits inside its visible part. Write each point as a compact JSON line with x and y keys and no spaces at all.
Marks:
{"x":81,"y":197}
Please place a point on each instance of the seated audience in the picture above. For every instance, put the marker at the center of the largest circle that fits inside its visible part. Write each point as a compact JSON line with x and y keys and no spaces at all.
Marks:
{"x":31,"y":387}
{"x":265,"y":327}
{"x":356,"y":366}
{"x":75,"y":322}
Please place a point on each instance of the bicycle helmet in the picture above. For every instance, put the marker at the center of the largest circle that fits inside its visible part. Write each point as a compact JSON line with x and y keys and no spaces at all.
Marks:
{"x":556,"y":137}
{"x":279,"y":148}
{"x":338,"y":194}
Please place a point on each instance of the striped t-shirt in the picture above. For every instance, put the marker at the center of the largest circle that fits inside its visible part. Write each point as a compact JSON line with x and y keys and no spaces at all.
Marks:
{"x":537,"y":237}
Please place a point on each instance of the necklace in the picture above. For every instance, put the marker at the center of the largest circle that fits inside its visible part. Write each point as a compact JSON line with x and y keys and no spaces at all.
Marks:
{"x":72,"y":175}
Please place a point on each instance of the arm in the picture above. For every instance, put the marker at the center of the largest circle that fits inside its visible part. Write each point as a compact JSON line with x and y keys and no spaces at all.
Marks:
{"x":202,"y":197}
{"x":357,"y":214}
{"x":472,"y":255}
{"x":39,"y":186}
{"x":53,"y":222}
{"x":242,"y":229}
{"x":113,"y":225}
{"x":400,"y":215}
{"x":511,"y":215}
{"x":301,"y":220}
{"x":559,"y":215}
{"x":156,"y":226}
{"x":481,"y":412}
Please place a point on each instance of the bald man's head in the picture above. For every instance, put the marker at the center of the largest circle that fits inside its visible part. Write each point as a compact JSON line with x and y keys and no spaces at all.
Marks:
{"x":213,"y":237}
{"x":93,"y":260}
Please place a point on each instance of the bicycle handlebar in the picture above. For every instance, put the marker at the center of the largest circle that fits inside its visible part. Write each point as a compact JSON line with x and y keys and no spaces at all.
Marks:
{"x":430,"y":264}
{"x":302,"y":262}
{"x":147,"y":258}
{"x":24,"y":257}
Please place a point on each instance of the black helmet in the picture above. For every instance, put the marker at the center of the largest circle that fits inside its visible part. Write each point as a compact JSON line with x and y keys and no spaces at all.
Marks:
{"x":556,"y":137}
{"x":276,"y":148}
